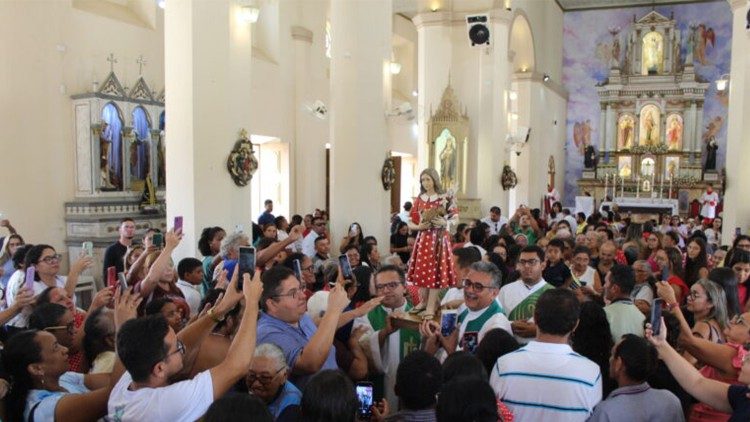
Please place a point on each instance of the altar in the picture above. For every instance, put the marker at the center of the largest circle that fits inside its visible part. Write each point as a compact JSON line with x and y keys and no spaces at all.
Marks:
{"x":644,"y":208}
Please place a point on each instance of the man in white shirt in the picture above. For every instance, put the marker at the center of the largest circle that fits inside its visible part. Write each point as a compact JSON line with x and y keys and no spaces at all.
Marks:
{"x":404,"y":215}
{"x":623,"y":316}
{"x":546,"y":380}
{"x":190,"y":273}
{"x":152,"y":353}
{"x":709,"y":200}
{"x":495,"y":220}
{"x":518,"y":298}
{"x":318,"y":228}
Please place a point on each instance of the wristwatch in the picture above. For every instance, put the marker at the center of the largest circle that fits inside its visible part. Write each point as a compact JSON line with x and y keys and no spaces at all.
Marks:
{"x":211,"y":314}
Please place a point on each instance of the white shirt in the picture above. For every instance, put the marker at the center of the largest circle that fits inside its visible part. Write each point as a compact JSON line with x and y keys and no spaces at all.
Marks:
{"x":514,"y":293}
{"x":547,"y":382}
{"x":495,"y":226}
{"x":14,"y":285}
{"x":183,"y":401}
{"x":573,"y":223}
{"x":308,"y":243}
{"x":496,"y":321}
{"x":708,"y":210}
{"x":192,"y":296}
{"x":454,"y":293}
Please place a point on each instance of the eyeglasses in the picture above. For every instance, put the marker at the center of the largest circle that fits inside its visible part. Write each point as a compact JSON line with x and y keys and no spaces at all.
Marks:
{"x":291,"y":293}
{"x":52,"y":258}
{"x":528,"y":262}
{"x":738,"y":320}
{"x":387,"y":286}
{"x":477,"y":287}
{"x":71,"y":327}
{"x":180,"y":348}
{"x":263,"y":379}
{"x":694,"y":295}
{"x":308,"y":269}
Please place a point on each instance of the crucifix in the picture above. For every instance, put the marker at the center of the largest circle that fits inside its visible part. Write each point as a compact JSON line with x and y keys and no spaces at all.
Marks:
{"x":141,"y":62}
{"x":112,"y":60}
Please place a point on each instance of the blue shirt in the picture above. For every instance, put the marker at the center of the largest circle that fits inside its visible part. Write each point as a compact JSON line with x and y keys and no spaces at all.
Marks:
{"x":290,"y":395}
{"x":292,"y":339}
{"x":46,"y":401}
{"x":265,"y":218}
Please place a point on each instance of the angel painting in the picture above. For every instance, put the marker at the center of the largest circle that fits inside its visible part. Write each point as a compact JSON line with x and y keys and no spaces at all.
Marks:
{"x":713,"y":128}
{"x":582,"y":135}
{"x":706,"y":37}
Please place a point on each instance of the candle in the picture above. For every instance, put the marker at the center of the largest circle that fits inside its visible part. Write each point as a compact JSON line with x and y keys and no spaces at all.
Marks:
{"x":606,"y":183}
{"x":622,"y":187}
{"x":638,"y":186}
{"x":670,"y":185}
{"x":662,"y":186}
{"x":614,"y":186}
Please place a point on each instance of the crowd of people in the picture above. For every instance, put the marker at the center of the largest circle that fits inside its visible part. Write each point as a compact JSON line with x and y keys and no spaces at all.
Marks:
{"x":537,"y":317}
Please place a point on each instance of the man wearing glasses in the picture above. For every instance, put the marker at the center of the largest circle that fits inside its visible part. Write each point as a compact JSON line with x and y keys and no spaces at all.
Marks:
{"x":519,"y":298}
{"x":386,"y":344}
{"x":284,"y":322}
{"x":317,"y":229}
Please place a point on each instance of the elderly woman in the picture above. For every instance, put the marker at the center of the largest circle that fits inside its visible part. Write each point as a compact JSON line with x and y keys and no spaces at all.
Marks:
{"x":268,"y":379}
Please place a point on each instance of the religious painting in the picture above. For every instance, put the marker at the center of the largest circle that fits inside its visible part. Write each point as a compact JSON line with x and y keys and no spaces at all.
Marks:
{"x":653,"y":54}
{"x":625,"y":132}
{"x":582,"y":135}
{"x":446,"y":159}
{"x":625,"y":167}
{"x":674,"y":132}
{"x":140,"y":145}
{"x":649,"y":127}
{"x":671,"y":167}
{"x":648,"y":165}
{"x":242,"y":163}
{"x":110,"y":148}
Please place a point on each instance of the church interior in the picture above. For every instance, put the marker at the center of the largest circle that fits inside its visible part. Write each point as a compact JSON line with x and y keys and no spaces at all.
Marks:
{"x":204,"y":109}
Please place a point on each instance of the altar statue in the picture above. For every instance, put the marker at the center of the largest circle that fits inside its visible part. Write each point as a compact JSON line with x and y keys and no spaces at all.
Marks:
{"x":674,"y":133}
{"x":652,"y":53}
{"x":104,"y":167}
{"x":711,"y":147}
{"x":448,"y":162}
{"x":431,"y":266}
{"x":625,"y":134}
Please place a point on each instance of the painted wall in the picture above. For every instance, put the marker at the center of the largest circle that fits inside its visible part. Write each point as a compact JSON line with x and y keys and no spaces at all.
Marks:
{"x":585,"y":41}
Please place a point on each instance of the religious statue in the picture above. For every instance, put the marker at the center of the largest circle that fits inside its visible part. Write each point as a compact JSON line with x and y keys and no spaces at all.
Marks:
{"x":706,"y":37}
{"x":582,"y":135}
{"x":241,"y":162}
{"x":652,"y":53}
{"x":711,"y":147}
{"x":448,"y":161}
{"x":674,"y":133}
{"x":431,"y":266}
{"x":104,"y":168}
{"x":626,"y":133}
{"x":161,"y":168}
{"x":589,"y":157}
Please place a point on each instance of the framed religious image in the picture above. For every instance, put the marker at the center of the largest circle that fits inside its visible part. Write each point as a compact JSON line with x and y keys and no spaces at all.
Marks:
{"x":625,"y":132}
{"x":447,"y":136}
{"x":674,"y":132}
{"x":625,"y":166}
{"x":671,"y":167}
{"x":648,"y":165}
{"x":683,"y":201}
{"x":650,"y":124}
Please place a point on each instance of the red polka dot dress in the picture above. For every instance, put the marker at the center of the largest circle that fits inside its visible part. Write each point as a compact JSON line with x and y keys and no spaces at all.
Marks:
{"x":431,"y":263}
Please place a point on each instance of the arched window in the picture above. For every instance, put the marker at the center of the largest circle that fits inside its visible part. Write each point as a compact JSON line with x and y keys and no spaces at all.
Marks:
{"x":110,"y":149}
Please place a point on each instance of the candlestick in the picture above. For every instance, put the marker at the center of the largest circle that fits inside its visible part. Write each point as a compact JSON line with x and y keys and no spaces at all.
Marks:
{"x":606,"y":183}
{"x":614,"y":186}
{"x":622,"y":187}
{"x":670,"y":186}
{"x":638,"y":186}
{"x":661,"y":189}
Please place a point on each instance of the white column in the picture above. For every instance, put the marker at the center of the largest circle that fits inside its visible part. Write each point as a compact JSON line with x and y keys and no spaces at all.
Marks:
{"x":698,"y":134}
{"x":207,"y":74}
{"x":736,"y":205}
{"x":689,"y":125}
{"x":361,"y":33}
{"x":610,"y":140}
{"x":602,"y":129}
{"x":434,"y":51}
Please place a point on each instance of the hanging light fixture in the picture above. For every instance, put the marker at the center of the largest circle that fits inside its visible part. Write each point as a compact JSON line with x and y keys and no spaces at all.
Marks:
{"x":722,"y":83}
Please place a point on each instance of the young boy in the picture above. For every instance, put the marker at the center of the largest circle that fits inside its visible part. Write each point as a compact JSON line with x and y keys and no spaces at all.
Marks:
{"x":190,"y":271}
{"x":556,"y":272}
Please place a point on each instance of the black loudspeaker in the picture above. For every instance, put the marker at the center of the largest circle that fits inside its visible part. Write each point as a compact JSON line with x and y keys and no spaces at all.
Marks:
{"x":479,"y":32}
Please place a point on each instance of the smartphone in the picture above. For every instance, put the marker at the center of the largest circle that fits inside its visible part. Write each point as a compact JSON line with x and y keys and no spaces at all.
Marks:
{"x":297,"y":269}
{"x":656,"y":316}
{"x":364,"y":396}
{"x":88,"y":248}
{"x":30,"y":273}
{"x":346,"y":266}
{"x":448,"y":322}
{"x":737,"y":231}
{"x":178,"y":223}
{"x":246,"y":264}
{"x":157,"y":240}
{"x":122,"y":281}
{"x":353,"y":230}
{"x":112,"y":276}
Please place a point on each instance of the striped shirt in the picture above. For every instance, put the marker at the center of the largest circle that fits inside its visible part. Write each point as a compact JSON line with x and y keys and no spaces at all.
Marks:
{"x":547,"y":382}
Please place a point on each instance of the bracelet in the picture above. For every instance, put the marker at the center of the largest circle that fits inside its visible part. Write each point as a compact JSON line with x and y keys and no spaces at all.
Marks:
{"x":670,"y":306}
{"x":215,"y":317}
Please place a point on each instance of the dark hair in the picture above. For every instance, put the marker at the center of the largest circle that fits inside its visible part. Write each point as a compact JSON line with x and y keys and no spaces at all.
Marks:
{"x":46,"y":296}
{"x":296,"y":220}
{"x":329,"y":397}
{"x":278,"y":220}
{"x":675,"y":261}
{"x":20,"y":351}
{"x":467,"y":399}
{"x":318,"y":239}
{"x":265,"y":242}
{"x":391,"y":268}
{"x":187,"y":265}
{"x":673,"y":235}
{"x":738,"y":238}
{"x":582,"y":249}
{"x":623,"y":277}
{"x":418,"y":380}
{"x":463,"y":364}
{"x":727,"y":279}
{"x":495,"y":343}
{"x":631,"y":254}
{"x":458,"y":236}
{"x":370,"y":239}
{"x":212,"y":296}
{"x":739,"y":256}
{"x":34,"y":255}
{"x":477,"y":235}
{"x":491,"y":241}
{"x":237,"y":407}
{"x":47,"y":315}
{"x":126,"y":219}
{"x":96,"y":331}
{"x":499,"y":262}
{"x":267,"y":201}
{"x":141,"y":345}
{"x":693,"y":266}
{"x":154,"y":307}
{"x":593,"y":337}
{"x":367,"y":249}
{"x":272,"y":279}
{"x":557,"y":243}
{"x":466,"y":256}
{"x":557,"y":312}
{"x":534,"y":249}
{"x":639,"y":356}
{"x":207,"y":235}
{"x":289,"y":261}
{"x":19,"y":257}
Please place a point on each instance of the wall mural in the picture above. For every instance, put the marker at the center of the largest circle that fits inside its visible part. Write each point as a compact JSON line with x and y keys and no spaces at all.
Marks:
{"x":596,"y":40}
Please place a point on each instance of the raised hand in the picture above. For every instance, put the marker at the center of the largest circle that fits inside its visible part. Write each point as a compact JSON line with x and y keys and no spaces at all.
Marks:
{"x":24,"y":297}
{"x":83,"y":262}
{"x":126,"y":306}
{"x":337,"y":299}
{"x":172,"y":239}
{"x":102,"y":298}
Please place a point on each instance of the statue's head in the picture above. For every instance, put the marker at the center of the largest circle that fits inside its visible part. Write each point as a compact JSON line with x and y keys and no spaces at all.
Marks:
{"x":433,"y":174}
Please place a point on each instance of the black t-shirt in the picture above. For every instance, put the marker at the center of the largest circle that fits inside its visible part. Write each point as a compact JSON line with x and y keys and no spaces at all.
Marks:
{"x":739,"y":402}
{"x":556,"y":274}
{"x":399,"y":241}
{"x":113,"y":256}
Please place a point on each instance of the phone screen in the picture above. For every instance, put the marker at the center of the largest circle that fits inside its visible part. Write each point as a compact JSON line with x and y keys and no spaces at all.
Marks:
{"x":123,"y":281}
{"x":298,"y":269}
{"x":88,"y":248}
{"x":177,"y":223}
{"x":158,"y":240}
{"x":112,"y":277}
{"x":364,"y":396}
{"x":30,"y":273}
{"x":656,"y":316}
{"x":346,"y":267}
{"x":246,"y":264}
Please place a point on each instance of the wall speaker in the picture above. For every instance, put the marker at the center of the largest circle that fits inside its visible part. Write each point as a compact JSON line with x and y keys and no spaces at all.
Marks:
{"x":479,"y":32}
